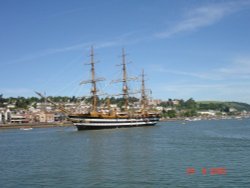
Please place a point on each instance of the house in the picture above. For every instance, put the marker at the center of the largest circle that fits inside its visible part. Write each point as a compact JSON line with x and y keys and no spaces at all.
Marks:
{"x":1,"y":117}
{"x":154,"y":102}
{"x":19,"y":118}
{"x":45,"y":117}
{"x":207,"y":113}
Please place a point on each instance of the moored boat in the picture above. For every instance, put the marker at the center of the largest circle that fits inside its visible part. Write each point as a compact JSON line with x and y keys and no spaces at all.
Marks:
{"x":26,"y":129}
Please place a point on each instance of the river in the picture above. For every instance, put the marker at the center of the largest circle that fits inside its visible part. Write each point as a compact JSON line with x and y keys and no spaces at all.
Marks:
{"x":170,"y":154}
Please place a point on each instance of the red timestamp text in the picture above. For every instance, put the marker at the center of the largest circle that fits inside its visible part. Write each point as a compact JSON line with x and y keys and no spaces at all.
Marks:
{"x":206,"y":171}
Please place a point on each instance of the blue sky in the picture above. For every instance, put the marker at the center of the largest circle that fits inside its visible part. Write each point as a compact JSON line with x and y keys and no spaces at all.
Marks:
{"x":187,"y":48}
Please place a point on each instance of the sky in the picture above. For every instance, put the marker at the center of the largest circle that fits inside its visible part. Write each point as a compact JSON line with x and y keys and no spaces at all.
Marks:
{"x":187,"y":48}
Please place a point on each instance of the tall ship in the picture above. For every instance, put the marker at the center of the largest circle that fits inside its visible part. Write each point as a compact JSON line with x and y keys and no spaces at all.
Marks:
{"x":96,"y":118}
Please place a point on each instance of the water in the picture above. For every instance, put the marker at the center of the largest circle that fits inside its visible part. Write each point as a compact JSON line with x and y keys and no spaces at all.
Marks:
{"x":131,"y":157}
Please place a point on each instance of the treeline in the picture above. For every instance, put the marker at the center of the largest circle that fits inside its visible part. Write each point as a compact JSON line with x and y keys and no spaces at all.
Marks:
{"x":190,"y":107}
{"x":24,"y":103}
{"x":206,"y":105}
{"x":180,"y":106}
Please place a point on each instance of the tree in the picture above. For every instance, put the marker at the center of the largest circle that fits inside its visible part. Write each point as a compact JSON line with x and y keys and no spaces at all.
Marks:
{"x":2,"y":100}
{"x":171,"y":113}
{"x":190,"y":113}
{"x":190,"y":104}
{"x":164,"y":104}
{"x":21,"y":102}
{"x":181,"y":104}
{"x":226,"y":109}
{"x":170,"y":102}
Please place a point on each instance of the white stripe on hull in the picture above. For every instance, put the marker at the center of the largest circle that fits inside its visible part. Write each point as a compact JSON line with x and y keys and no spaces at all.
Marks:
{"x":114,"y":120}
{"x":114,"y":124}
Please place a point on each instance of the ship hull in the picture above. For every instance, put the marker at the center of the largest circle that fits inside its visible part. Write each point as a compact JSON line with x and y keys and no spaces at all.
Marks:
{"x":93,"y":127}
{"x":101,"y":123}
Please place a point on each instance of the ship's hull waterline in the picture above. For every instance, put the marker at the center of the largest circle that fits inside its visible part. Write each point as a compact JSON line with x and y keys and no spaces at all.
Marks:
{"x":101,"y":123}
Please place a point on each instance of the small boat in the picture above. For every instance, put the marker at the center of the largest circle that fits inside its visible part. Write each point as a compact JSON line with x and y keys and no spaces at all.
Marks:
{"x":26,"y":129}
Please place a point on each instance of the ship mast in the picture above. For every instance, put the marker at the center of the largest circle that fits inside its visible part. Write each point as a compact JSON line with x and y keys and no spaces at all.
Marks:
{"x":124,"y":80}
{"x":93,"y":81}
{"x":93,"y":89}
{"x":143,"y":94}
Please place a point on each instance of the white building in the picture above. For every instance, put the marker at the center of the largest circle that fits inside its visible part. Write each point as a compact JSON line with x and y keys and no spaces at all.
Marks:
{"x":159,"y":108}
{"x":46,"y":117}
{"x":154,"y":102}
{"x":176,"y":102}
{"x":7,"y":115}
{"x":208,"y":113}
{"x":18,"y":118}
{"x":1,"y":117}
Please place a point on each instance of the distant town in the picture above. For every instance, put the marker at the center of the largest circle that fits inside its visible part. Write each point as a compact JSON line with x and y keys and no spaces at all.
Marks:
{"x":21,"y":110}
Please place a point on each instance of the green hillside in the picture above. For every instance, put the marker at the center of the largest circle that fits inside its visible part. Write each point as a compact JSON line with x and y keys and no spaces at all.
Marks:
{"x":213,"y":105}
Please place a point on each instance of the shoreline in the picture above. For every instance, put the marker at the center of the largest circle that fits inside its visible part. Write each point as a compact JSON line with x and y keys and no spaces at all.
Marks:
{"x":69,"y":124}
{"x":35,"y":125}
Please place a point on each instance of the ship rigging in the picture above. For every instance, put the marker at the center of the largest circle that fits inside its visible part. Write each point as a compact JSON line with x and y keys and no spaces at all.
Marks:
{"x":96,"y":119}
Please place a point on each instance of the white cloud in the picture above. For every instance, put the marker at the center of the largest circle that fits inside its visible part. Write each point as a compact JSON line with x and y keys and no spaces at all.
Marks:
{"x":117,"y":41}
{"x":179,"y":72}
{"x":193,"y":20}
{"x":202,"y":17}
{"x":47,"y":52}
{"x":209,"y":91}
{"x":228,"y":83}
{"x":239,"y":68}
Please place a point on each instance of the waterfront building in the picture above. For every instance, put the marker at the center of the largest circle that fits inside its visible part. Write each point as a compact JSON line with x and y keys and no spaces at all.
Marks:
{"x":232,"y":109}
{"x":7,"y":115}
{"x":11,"y":106}
{"x":154,"y":102}
{"x":1,"y":117}
{"x":159,"y":108}
{"x":19,"y":118}
{"x":46,"y":117}
{"x":175,"y":102}
{"x":207,"y":113}
{"x":59,"y":117}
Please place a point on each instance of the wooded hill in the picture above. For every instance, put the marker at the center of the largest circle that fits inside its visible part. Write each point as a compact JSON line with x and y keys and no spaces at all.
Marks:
{"x":215,"y":105}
